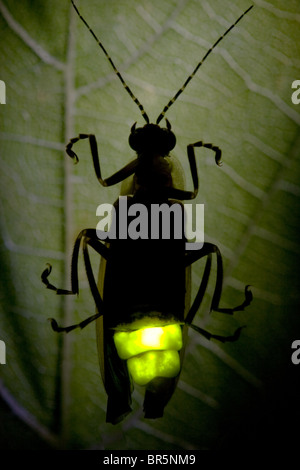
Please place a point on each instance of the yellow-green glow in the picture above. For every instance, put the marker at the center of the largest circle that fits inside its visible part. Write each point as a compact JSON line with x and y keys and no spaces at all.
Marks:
{"x":152,"y":337}
{"x":131,"y":343}
{"x":151,"y":351}
{"x":153,"y":364}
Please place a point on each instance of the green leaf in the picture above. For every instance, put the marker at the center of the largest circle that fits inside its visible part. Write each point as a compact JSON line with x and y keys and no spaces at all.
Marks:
{"x":58,"y":84}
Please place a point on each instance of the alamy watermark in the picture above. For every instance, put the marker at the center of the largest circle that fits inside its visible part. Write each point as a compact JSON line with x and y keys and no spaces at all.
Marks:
{"x":296,"y":354}
{"x":296,"y":94}
{"x":2,"y":352}
{"x":157,"y":222}
{"x":2,"y":92}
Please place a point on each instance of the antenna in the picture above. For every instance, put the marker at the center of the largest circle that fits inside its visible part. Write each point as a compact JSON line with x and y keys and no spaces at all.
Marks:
{"x":198,"y":66}
{"x":144,"y":114}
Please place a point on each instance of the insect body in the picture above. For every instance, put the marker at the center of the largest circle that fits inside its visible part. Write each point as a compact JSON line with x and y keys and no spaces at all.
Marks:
{"x":142,"y":297}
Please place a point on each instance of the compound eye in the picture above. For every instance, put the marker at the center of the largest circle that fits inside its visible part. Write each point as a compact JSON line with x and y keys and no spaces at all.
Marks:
{"x":169,"y":140}
{"x":172,"y":141}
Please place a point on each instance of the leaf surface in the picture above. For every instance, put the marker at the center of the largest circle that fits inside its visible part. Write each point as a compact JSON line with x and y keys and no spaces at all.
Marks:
{"x":59,"y":83}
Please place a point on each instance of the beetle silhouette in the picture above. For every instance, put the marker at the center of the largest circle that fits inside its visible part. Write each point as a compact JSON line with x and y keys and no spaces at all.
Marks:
{"x":143,"y":290}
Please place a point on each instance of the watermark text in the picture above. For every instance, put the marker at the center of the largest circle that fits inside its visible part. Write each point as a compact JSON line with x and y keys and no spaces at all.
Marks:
{"x":2,"y":352}
{"x":296,"y":354}
{"x":157,"y":222}
{"x":296,"y":94}
{"x":2,"y":92}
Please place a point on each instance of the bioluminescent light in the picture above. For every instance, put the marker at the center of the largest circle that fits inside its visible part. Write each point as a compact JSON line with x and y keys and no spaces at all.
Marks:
{"x":150,"y":352}
{"x":153,"y":364}
{"x":131,"y":343}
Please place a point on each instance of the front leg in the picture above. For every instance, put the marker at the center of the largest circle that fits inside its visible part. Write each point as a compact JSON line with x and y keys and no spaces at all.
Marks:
{"x":186,"y":195}
{"x":120,"y":175}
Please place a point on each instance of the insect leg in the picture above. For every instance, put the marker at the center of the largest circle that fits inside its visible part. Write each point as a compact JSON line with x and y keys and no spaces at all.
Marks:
{"x":191,"y":153}
{"x":88,"y":237}
{"x":192,"y":160}
{"x":223,"y":339}
{"x":192,"y":256}
{"x":120,"y":175}
{"x":247,"y":301}
{"x":201,"y":291}
{"x":66,"y":329}
{"x":102,"y":250}
{"x":74,"y":276}
{"x":185,"y":195}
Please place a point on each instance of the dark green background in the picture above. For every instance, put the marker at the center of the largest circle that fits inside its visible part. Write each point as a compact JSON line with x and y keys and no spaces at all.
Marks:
{"x":59,"y":84}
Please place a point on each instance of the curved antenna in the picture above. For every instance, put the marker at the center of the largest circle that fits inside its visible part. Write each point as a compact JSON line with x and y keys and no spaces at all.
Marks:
{"x":196,"y":69}
{"x":144,"y":114}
